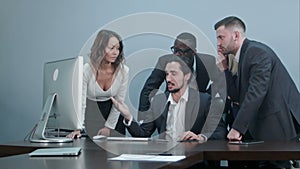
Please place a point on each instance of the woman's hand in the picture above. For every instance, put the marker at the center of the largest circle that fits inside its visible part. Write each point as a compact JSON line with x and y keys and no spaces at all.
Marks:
{"x":104,"y":131}
{"x":74,"y":134}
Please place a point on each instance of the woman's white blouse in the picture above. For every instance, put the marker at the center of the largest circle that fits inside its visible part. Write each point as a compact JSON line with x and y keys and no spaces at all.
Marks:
{"x":93,"y":91}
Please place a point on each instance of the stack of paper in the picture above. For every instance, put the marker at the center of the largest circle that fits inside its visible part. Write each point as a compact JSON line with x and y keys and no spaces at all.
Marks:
{"x":140,"y":157}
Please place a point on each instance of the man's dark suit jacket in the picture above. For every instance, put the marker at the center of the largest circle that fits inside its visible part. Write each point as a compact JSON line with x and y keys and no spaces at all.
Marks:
{"x":206,"y":70}
{"x":197,"y":109}
{"x":268,"y":97}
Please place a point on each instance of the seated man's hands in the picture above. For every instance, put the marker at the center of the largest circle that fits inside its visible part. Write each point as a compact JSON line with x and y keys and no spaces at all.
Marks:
{"x":191,"y":136}
{"x":122,"y":107}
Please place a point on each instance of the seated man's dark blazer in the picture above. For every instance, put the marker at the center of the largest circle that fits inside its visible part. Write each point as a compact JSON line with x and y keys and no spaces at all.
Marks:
{"x":195,"y":116}
{"x":206,"y":70}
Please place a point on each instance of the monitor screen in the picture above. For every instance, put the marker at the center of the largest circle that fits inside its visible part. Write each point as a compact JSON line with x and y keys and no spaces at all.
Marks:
{"x":62,"y":99}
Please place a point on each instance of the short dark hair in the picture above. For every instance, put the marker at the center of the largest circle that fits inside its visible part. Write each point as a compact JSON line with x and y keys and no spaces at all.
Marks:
{"x":231,"y":21}
{"x":188,"y":37}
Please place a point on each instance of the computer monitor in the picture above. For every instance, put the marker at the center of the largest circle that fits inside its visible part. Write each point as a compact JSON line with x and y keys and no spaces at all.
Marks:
{"x":62,"y":99}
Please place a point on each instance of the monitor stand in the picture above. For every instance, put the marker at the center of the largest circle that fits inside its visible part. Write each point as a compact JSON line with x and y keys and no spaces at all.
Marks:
{"x":38,"y":135}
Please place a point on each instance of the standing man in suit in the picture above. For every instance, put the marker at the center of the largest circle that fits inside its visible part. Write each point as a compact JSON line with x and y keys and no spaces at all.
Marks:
{"x":264,"y":99}
{"x":203,"y":66}
{"x":268,"y":99}
{"x":177,"y":114}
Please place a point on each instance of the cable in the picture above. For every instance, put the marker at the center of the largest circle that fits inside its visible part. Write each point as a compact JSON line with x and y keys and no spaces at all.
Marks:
{"x":30,"y":133}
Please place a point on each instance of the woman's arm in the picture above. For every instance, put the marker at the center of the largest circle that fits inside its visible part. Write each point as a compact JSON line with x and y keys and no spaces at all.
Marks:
{"x":114,"y":114}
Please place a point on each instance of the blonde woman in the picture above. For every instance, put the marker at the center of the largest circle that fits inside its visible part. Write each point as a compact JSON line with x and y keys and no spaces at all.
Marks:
{"x":105,"y":76}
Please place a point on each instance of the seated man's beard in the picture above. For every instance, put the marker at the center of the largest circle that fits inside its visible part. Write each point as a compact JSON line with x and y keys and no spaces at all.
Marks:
{"x":174,"y":90}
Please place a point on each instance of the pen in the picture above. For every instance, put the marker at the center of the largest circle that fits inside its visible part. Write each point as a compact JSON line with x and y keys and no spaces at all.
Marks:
{"x":160,"y":154}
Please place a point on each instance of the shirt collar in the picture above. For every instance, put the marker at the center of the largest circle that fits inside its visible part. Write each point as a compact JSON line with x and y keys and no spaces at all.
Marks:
{"x":238,"y":53}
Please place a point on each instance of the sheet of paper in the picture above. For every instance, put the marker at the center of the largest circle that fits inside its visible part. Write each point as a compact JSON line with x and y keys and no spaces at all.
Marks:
{"x":128,"y":139}
{"x":140,"y":157}
{"x":141,"y":139}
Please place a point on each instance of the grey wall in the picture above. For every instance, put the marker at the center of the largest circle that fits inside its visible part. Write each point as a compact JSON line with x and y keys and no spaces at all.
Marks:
{"x":33,"y":32}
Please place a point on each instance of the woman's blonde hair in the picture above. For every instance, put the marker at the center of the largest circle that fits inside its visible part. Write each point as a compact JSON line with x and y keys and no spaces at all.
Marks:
{"x":98,"y":49}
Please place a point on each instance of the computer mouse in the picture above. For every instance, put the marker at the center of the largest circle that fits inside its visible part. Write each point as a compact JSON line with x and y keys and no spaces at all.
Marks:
{"x":97,"y":137}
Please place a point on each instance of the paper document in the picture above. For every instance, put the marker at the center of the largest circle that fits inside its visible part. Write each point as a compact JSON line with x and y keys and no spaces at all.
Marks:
{"x":140,"y":157}
{"x":135,"y":139}
{"x":128,"y":139}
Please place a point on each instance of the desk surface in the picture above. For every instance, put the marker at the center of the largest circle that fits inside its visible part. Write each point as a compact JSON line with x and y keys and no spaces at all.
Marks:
{"x":269,"y":150}
{"x":95,"y":154}
{"x":92,"y":155}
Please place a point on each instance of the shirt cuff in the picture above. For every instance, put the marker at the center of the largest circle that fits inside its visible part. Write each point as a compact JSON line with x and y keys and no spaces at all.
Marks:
{"x":108,"y":125}
{"x":127,"y":123}
{"x":203,"y":136}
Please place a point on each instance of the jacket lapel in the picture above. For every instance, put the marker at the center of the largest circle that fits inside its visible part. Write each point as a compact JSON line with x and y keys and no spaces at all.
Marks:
{"x":241,"y":62}
{"x":191,"y":109}
{"x":164,"y":115}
